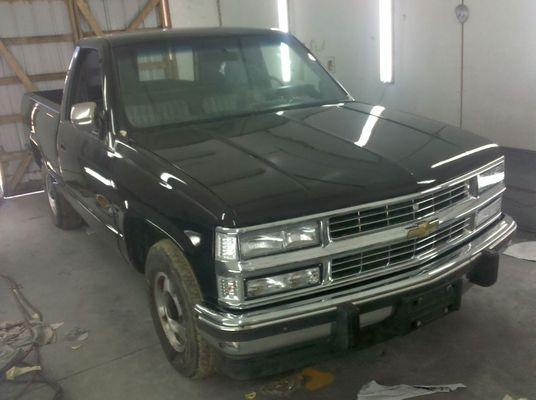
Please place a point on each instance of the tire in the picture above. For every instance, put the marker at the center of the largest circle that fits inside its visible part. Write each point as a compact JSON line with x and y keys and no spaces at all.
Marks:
{"x":63,"y":214}
{"x":173,"y":293}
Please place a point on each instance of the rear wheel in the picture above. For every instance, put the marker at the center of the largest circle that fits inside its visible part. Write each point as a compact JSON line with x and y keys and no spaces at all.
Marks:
{"x":63,"y":214}
{"x":173,"y":294}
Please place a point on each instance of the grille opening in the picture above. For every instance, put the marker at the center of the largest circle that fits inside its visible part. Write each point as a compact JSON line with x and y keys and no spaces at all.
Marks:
{"x":397,"y":253}
{"x":357,"y":222}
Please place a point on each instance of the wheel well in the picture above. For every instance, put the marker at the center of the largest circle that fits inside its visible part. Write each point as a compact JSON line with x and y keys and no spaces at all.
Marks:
{"x":139,"y":237}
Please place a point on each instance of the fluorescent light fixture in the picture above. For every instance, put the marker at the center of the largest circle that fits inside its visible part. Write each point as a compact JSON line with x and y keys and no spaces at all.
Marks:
{"x":282,"y":15}
{"x":366,"y":132}
{"x":386,"y":41}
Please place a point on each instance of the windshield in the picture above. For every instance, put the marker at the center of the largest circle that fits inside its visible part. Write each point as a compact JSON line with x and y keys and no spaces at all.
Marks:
{"x":194,"y":79}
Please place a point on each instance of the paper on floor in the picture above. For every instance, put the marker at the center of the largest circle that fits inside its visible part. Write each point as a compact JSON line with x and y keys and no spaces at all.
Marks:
{"x":523,"y":250}
{"x":13,"y":372}
{"x":374,"y":391}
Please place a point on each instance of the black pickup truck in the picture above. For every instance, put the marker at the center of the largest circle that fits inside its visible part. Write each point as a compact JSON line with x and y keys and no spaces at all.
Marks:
{"x":273,"y":215}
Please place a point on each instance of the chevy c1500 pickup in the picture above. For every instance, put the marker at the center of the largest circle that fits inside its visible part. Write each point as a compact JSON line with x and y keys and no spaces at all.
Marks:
{"x":273,"y":215}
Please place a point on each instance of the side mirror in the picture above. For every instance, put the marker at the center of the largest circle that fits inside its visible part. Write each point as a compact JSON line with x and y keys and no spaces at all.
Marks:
{"x":83,"y":116}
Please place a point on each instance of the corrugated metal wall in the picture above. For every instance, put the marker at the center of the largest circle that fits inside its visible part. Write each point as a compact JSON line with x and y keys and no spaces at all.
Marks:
{"x":20,"y":18}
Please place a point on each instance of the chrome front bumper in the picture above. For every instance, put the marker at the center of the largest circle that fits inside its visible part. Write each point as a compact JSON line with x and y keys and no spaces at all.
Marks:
{"x":301,"y":321}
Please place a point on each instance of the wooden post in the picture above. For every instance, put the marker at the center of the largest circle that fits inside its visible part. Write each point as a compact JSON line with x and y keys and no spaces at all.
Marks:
{"x":72,"y":19}
{"x":52,"y":76}
{"x":90,"y":18}
{"x":166,"y":17}
{"x":77,"y":9}
{"x":10,"y":119}
{"x":19,"y":172}
{"x":15,"y":66}
{"x":149,"y":6}
{"x":36,"y":39}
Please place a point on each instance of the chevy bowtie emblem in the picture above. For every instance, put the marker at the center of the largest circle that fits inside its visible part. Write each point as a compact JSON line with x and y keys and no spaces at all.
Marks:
{"x":423,"y":229}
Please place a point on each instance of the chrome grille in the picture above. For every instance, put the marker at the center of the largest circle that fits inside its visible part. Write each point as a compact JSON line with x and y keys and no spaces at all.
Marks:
{"x":387,"y":256}
{"x":356,"y":222}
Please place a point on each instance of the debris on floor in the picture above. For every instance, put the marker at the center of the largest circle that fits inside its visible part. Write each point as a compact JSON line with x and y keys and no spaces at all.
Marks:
{"x":57,"y":325}
{"x":43,"y":334}
{"x":522,"y":250}
{"x":508,"y":397}
{"x":283,"y":387}
{"x":76,"y":335}
{"x":374,"y":391}
{"x":309,"y":378}
{"x":13,"y":372}
{"x":20,"y":343}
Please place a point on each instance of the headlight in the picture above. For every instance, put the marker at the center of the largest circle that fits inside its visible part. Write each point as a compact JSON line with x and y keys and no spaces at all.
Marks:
{"x":278,"y":240}
{"x":489,"y":178}
{"x":281,"y":283}
{"x":490,"y":211}
{"x":266,"y":241}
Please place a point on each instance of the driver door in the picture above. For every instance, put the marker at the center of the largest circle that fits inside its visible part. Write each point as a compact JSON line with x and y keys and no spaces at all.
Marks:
{"x":83,"y":151}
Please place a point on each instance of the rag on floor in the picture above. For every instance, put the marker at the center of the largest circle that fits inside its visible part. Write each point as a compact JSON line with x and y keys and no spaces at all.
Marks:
{"x":374,"y":391}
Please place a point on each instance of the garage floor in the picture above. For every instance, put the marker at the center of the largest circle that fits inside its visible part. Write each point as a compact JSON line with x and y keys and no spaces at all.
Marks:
{"x":490,"y":345}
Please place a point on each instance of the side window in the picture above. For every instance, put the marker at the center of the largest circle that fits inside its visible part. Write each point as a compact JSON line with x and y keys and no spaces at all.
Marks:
{"x":87,"y":80}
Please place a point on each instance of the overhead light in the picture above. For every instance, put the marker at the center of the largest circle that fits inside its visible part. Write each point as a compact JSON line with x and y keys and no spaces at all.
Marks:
{"x":282,"y":15}
{"x":386,"y":41}
{"x":366,"y":132}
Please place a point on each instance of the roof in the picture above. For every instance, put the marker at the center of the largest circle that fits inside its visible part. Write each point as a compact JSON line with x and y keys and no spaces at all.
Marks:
{"x":121,"y":39}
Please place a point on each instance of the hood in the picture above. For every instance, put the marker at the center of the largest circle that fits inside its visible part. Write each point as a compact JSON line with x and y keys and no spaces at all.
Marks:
{"x":274,"y":166}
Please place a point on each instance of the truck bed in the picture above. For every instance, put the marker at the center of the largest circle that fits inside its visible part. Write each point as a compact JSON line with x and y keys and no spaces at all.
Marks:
{"x":41,"y":116}
{"x":50,"y":98}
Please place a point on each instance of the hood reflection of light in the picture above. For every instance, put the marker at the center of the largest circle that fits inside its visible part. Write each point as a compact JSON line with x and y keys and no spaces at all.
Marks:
{"x":465,"y":154}
{"x":375,"y":113}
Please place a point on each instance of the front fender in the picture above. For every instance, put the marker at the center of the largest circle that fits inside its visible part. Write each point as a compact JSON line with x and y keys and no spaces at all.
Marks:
{"x":199,"y":256}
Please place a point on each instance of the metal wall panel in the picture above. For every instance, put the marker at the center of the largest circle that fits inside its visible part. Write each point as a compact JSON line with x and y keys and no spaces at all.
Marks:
{"x":49,"y":17}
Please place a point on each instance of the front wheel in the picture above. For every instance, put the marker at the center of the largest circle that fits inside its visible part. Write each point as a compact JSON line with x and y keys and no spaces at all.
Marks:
{"x":173,"y":293}
{"x":63,"y":214}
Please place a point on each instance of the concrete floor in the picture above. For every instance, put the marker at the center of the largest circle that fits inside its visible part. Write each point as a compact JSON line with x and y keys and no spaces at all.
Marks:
{"x":490,"y":345}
